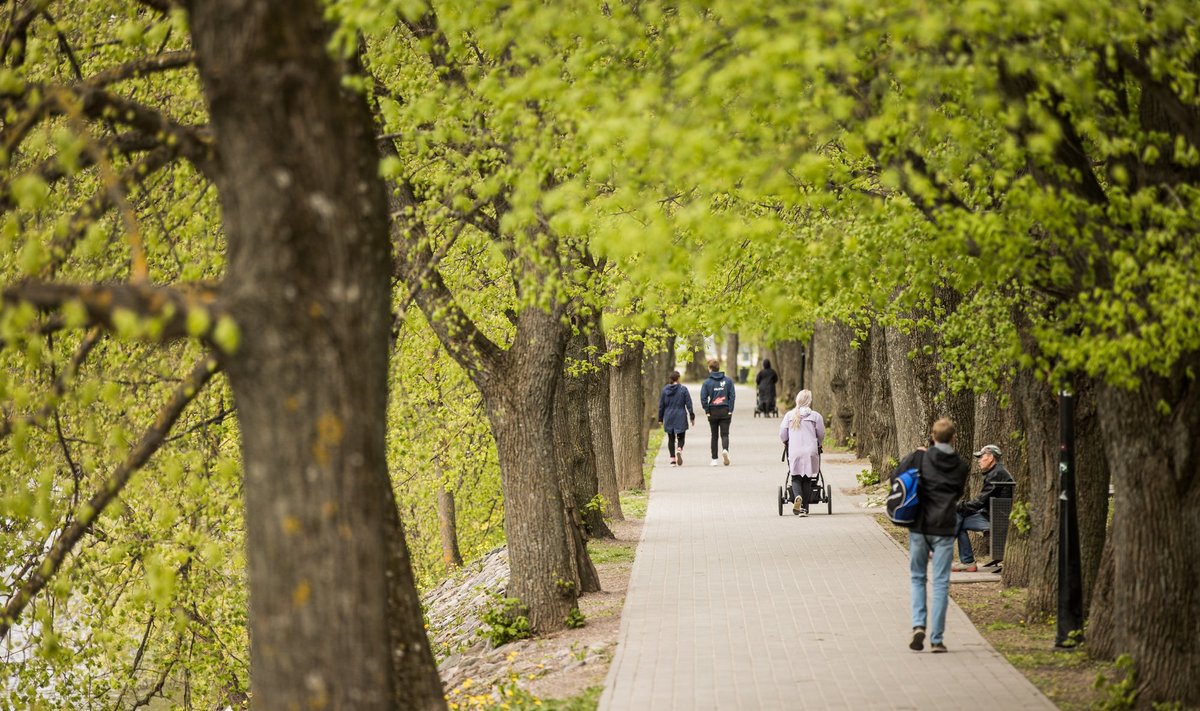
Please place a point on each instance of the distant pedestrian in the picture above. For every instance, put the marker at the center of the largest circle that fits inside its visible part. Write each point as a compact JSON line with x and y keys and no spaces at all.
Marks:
{"x":943,"y":478}
{"x":803,"y":430}
{"x":975,"y":515}
{"x":674,"y":412}
{"x":764,"y":385}
{"x":716,"y":397}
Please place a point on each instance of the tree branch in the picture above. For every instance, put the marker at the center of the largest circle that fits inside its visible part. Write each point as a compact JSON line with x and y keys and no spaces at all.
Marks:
{"x":56,"y":391}
{"x":151,"y":440}
{"x":167,"y":307}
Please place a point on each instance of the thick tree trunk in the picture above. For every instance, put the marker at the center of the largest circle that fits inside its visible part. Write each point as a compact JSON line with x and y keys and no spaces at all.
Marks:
{"x":309,"y":259}
{"x":832,"y":366}
{"x":448,"y":529}
{"x":540,"y":548}
{"x":1031,"y":559}
{"x":599,"y":409}
{"x":1103,"y":624}
{"x":697,"y":366}
{"x":573,"y":442}
{"x":626,"y":404}
{"x":875,"y":425}
{"x":919,"y":393}
{"x":731,"y":360}
{"x":1091,"y":485}
{"x":1150,"y":440}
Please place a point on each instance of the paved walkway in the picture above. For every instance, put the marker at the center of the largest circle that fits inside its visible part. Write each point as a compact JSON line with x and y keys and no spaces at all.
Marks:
{"x":731,"y":606}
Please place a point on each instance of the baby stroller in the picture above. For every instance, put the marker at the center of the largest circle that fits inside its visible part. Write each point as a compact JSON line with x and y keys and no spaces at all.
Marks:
{"x":765,"y":405}
{"x":821,"y":492}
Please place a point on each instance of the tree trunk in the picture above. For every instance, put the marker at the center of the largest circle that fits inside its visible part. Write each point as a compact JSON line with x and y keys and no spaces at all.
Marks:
{"x":1150,"y":440}
{"x":1103,"y":624}
{"x":652,"y":382}
{"x":626,"y":405}
{"x":875,"y":427}
{"x":920,"y":395}
{"x":832,"y":366}
{"x":448,"y":529}
{"x":573,"y":442}
{"x":541,"y":551}
{"x":1091,"y":485}
{"x":599,"y":409}
{"x":731,"y":359}
{"x":789,"y":362}
{"x":308,"y":283}
{"x":1031,"y":559}
{"x":697,"y":367}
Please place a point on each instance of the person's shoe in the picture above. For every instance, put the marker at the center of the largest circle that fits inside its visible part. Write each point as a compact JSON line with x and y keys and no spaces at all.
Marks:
{"x":918,"y":639}
{"x":679,"y":457}
{"x":672,"y":461}
{"x":964,"y":568}
{"x":797,"y":507}
{"x":803,"y":512}
{"x":938,"y":648}
{"x":715,"y":463}
{"x":725,"y":456}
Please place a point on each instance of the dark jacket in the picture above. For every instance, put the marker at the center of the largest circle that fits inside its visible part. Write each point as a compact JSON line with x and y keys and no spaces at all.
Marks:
{"x":717,"y":390}
{"x":764,"y":382}
{"x":996,"y":483}
{"x":943,"y":479}
{"x":675,"y":408}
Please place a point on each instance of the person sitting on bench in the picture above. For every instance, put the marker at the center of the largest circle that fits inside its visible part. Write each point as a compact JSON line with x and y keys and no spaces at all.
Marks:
{"x":973,"y":514}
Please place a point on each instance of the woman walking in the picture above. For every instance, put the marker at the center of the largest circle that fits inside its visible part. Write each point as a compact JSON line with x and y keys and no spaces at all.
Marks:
{"x":674,"y":412}
{"x":803,"y":430}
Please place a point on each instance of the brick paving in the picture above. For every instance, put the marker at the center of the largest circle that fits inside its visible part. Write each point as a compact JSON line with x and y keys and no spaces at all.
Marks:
{"x":731,"y":606}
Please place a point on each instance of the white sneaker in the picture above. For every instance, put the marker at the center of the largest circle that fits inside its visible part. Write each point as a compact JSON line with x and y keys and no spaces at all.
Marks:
{"x":679,"y":457}
{"x":715,"y":463}
{"x":725,"y":456}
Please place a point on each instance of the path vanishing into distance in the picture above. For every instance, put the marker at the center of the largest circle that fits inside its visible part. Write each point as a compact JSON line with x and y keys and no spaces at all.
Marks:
{"x":731,"y":606}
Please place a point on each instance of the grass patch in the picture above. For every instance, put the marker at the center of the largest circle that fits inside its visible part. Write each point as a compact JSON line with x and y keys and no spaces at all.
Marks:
{"x":633,"y":503}
{"x":586,"y":700}
{"x":605,"y":551}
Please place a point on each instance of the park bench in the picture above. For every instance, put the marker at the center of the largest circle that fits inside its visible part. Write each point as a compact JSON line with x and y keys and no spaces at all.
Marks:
{"x":998,"y":514}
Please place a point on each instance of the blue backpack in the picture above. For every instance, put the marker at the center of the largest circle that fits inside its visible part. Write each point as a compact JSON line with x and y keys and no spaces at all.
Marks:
{"x":903,"y":506}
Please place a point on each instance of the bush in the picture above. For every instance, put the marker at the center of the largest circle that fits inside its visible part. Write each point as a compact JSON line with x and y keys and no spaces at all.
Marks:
{"x":867,"y":477}
{"x":504,"y":621}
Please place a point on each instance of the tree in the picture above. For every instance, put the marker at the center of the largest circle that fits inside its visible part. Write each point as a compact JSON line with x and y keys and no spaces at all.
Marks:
{"x":300,"y":321}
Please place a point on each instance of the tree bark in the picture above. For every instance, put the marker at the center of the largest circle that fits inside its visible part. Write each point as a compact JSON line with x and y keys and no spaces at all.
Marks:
{"x":1031,"y":560}
{"x":697,"y":366}
{"x":448,"y":529}
{"x":599,"y":410}
{"x":308,"y":283}
{"x":731,"y":360}
{"x":1150,"y":440}
{"x":1091,"y":485}
{"x":653,"y":380}
{"x":541,"y":551}
{"x":573,"y":443}
{"x":832,"y":366}
{"x":790,"y":362}
{"x":875,"y":426}
{"x":626,"y":405}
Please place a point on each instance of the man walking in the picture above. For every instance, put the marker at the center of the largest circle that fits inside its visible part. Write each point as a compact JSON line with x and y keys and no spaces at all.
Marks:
{"x":975,"y":515}
{"x":943,"y":478}
{"x":716,"y":397}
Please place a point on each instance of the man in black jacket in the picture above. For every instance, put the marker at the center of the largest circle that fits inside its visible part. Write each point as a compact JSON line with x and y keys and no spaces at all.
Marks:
{"x":943,"y":478}
{"x":975,"y":515}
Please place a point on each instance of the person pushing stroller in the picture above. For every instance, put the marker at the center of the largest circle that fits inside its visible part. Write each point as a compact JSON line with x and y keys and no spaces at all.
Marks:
{"x":803,"y":430}
{"x":764,"y":384}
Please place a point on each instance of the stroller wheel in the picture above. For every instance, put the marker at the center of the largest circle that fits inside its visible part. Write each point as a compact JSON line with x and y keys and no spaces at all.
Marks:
{"x":829,"y":497}
{"x":780,"y":500}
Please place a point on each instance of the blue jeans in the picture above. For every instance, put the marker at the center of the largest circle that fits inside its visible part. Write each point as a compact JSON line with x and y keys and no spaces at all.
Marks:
{"x":973,"y":522}
{"x":919,"y":547}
